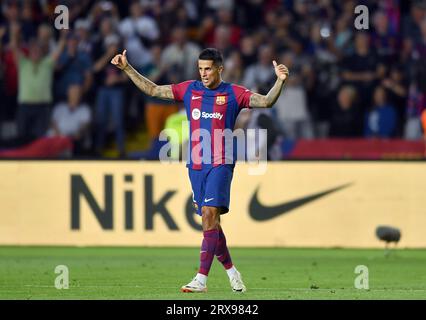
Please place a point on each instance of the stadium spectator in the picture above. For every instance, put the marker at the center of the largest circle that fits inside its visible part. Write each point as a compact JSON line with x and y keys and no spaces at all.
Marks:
{"x":157,"y":111}
{"x":385,"y":42}
{"x":346,"y":121}
{"x":9,"y":64}
{"x":222,"y":39}
{"x":396,"y":87}
{"x":138,"y":31}
{"x":46,"y":38}
{"x":248,"y":50}
{"x":181,"y":55}
{"x":35,"y":85}
{"x":416,"y":103}
{"x":292,"y":107}
{"x":205,"y":32}
{"x":360,"y":68}
{"x":74,"y":67}
{"x":419,"y":49}
{"x":225,"y":18}
{"x":233,"y":68}
{"x":321,"y":45}
{"x":110,"y":93}
{"x":102,"y":10}
{"x":344,"y":34}
{"x":380,"y":121}
{"x":72,"y":119}
{"x":268,"y":145}
{"x":411,"y":23}
{"x":26,"y":21}
{"x":82,"y":31}
{"x":259,"y":77}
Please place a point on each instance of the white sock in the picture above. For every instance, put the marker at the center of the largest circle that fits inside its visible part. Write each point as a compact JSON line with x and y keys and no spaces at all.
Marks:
{"x":202,"y":278}
{"x":231,"y":271}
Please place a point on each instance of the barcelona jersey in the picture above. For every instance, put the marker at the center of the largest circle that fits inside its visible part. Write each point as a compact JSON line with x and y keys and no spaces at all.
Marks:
{"x":211,"y":113}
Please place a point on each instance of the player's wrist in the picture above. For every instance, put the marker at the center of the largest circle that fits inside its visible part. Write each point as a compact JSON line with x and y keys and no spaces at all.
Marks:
{"x":126,"y":68}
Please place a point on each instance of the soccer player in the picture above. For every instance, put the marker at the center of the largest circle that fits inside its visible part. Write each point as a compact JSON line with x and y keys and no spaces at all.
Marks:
{"x":211,"y":104}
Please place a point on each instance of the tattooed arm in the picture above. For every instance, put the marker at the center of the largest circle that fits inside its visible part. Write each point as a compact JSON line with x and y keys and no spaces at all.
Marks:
{"x":268,"y":100}
{"x":145,"y":85}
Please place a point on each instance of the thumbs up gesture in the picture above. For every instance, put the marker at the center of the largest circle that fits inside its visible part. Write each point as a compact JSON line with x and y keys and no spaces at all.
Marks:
{"x":281,"y":71}
{"x":120,"y":60}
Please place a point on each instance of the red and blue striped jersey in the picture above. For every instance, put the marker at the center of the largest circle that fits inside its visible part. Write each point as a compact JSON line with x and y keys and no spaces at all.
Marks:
{"x":211,"y":111}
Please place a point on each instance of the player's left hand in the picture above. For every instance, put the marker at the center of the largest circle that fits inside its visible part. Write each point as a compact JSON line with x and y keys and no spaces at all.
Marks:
{"x":281,"y":71}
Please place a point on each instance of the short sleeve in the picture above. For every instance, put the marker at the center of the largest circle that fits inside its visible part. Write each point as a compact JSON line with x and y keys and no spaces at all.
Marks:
{"x":242,"y":94}
{"x":179,"y":90}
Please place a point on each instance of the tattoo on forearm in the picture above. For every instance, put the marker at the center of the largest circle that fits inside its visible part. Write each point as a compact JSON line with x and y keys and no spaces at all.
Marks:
{"x":274,"y":93}
{"x":266,"y":101}
{"x":164,"y":92}
{"x":258,"y":101}
{"x":147,"y":86}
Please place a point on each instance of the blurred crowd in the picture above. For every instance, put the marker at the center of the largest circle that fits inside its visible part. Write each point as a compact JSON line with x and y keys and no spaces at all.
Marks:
{"x":344,"y":82}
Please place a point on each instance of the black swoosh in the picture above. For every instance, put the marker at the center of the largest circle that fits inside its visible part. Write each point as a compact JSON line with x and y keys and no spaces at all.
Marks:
{"x":259,"y":212}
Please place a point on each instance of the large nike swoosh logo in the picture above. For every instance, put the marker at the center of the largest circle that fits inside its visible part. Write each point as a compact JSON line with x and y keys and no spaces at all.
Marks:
{"x":259,"y":212}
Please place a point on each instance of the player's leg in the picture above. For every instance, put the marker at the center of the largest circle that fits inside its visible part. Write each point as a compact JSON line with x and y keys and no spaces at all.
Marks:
{"x":222,"y":252}
{"x":197,"y":178}
{"x":210,"y":222}
{"x":217,"y":193}
{"x":211,"y":192}
{"x":223,"y":255}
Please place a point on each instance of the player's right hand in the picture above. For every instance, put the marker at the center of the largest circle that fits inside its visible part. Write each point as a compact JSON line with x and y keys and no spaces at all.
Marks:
{"x":120,"y":60}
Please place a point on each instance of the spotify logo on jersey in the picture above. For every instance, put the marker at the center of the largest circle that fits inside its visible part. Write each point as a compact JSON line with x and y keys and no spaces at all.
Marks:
{"x":196,"y":114}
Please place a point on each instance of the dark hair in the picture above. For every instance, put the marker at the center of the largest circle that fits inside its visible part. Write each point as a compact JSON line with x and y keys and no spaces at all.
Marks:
{"x":211,"y":54}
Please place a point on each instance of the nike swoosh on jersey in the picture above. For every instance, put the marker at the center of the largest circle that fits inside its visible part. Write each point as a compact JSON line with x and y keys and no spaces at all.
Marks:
{"x":195,"y":97}
{"x":260,"y":212}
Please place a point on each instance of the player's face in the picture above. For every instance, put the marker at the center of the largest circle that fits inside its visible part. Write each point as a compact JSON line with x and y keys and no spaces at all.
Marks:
{"x":210,"y":74}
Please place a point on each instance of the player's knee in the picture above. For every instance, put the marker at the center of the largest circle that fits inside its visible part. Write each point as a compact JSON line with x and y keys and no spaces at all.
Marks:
{"x":210,"y":218}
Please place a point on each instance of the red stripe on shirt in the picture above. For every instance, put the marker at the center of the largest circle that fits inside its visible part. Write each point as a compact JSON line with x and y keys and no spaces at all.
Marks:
{"x":196,"y":157}
{"x":217,"y":129}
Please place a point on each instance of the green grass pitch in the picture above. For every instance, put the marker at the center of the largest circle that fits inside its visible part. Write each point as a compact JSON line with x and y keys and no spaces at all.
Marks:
{"x":158,"y":273}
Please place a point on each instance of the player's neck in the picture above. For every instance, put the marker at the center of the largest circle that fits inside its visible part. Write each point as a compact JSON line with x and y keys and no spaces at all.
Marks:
{"x":214,"y":85}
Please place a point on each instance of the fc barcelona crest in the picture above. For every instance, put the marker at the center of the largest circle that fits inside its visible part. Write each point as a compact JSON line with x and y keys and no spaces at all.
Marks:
{"x":220,"y":100}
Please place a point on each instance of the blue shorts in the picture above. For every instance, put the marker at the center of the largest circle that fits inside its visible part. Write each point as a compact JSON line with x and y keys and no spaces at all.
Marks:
{"x":211,"y":187}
